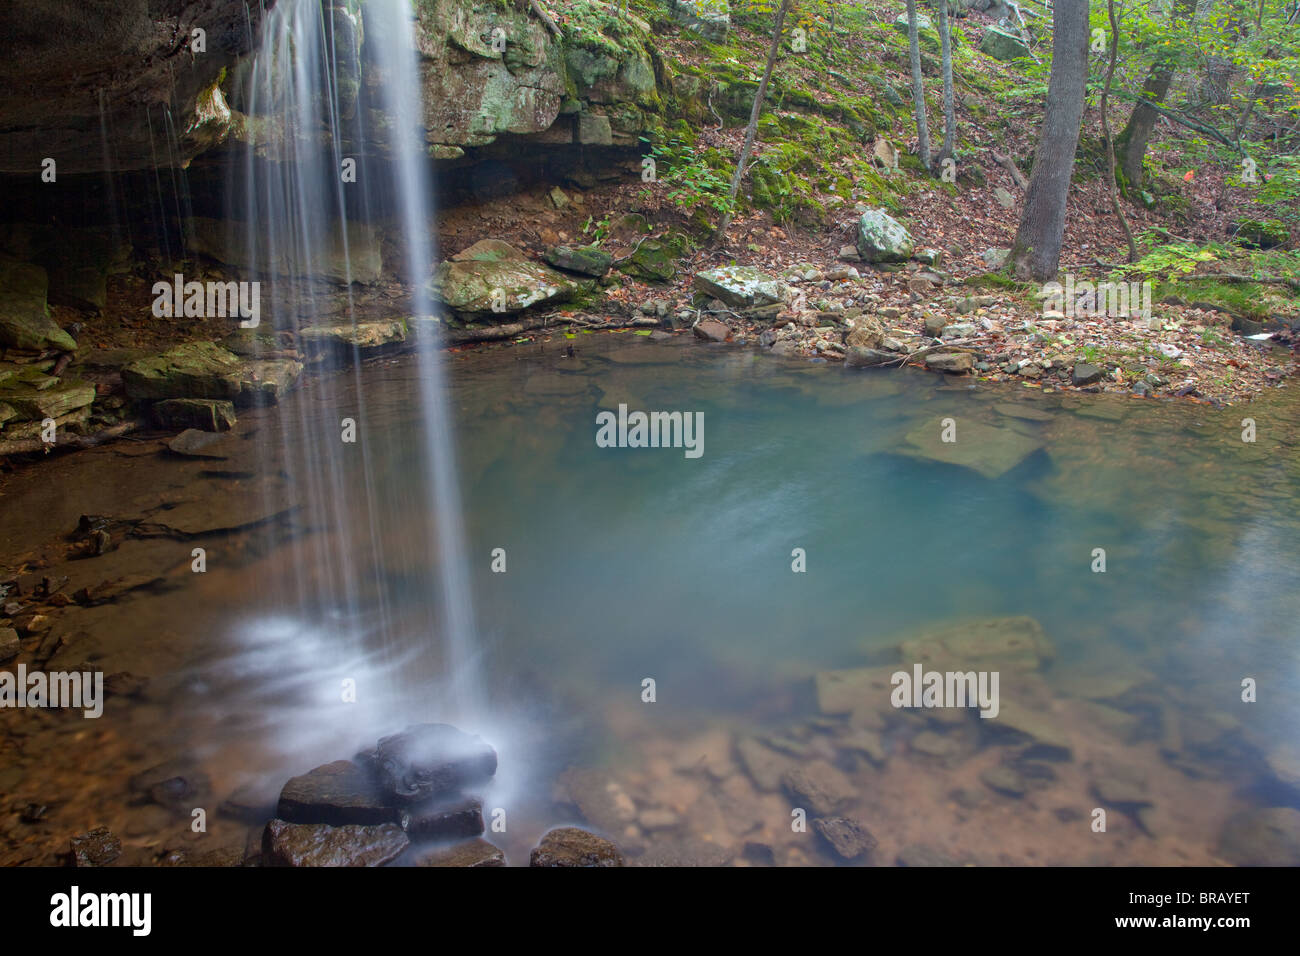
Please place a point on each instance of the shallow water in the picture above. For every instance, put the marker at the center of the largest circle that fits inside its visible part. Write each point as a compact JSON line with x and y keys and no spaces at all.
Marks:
{"x":624,"y":564}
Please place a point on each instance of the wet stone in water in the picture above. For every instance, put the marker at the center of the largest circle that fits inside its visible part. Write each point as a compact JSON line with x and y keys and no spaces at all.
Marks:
{"x":428,"y":760}
{"x":570,"y":846}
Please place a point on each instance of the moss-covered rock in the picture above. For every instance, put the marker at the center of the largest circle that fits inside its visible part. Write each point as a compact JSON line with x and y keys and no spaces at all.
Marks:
{"x":206,"y":370}
{"x":882,"y":238}
{"x":1003,"y":44}
{"x":24,"y":320}
{"x":584,"y":260}
{"x":494,"y":278}
{"x":1261,"y":233}
{"x":654,"y":260}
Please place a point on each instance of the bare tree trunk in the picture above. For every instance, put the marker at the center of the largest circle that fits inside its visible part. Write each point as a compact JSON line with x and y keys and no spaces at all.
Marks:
{"x":949,"y":107}
{"x":720,"y":236}
{"x":1036,"y":252}
{"x":918,"y":89}
{"x":1105,"y":129}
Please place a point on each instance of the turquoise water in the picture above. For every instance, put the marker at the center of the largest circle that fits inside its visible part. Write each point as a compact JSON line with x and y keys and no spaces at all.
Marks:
{"x":623,"y":565}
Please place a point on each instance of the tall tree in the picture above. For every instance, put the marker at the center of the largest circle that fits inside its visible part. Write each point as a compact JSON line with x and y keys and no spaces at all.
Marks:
{"x":720,"y":236}
{"x":1036,"y":252}
{"x":918,"y":90}
{"x":1132,"y":140}
{"x":1105,"y":129}
{"x":949,"y":108}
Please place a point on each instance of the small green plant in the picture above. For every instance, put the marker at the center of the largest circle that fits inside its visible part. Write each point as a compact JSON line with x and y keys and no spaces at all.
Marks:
{"x":690,"y":177}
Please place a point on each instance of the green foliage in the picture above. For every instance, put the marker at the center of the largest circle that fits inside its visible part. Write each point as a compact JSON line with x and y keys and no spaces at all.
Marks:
{"x":695,"y":180}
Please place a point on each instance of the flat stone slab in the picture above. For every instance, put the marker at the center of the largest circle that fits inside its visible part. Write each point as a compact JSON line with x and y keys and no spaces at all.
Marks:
{"x":741,"y":287}
{"x":980,"y":644}
{"x":339,"y":794}
{"x":316,"y":844}
{"x":470,"y":853}
{"x":984,"y":449}
{"x":345,"y":336}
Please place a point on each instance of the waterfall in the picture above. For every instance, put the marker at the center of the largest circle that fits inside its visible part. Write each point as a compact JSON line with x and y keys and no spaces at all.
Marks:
{"x":325,"y":88}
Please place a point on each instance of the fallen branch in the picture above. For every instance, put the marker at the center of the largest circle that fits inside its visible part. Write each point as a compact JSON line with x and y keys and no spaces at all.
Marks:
{"x":1006,"y":163}
{"x":546,"y":19}
{"x":28,"y":446}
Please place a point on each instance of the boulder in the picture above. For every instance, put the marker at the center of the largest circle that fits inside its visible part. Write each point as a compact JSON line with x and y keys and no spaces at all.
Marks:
{"x":429,"y":760}
{"x":859,"y":356}
{"x":204,"y":414}
{"x":344,"y":337}
{"x":711,"y":18}
{"x":193,"y":370}
{"x":711,"y":330}
{"x":1002,"y":44}
{"x":741,"y":287}
{"x":954,"y":363}
{"x":442,"y":819}
{"x":339,"y":794}
{"x":867,"y":332}
{"x":24,"y":321}
{"x":571,"y":846}
{"x":653,"y":260}
{"x":1261,"y":233}
{"x":53,"y":401}
{"x":492,"y":277}
{"x":316,"y":844}
{"x":881,"y":238}
{"x":9,"y":644}
{"x":584,"y":260}
{"x":927,"y":36}
{"x":1085,"y":374}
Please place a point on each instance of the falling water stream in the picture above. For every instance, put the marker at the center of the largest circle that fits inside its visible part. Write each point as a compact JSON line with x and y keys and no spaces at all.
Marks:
{"x":313,"y":185}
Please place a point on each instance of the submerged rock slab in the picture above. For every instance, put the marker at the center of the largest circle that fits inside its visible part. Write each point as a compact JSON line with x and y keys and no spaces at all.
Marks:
{"x":988,"y":451}
{"x":429,"y":760}
{"x":847,"y":837}
{"x":297,"y":844}
{"x":470,"y":853}
{"x":1268,"y":837}
{"x":980,"y":644}
{"x":854,"y":690}
{"x":571,"y":846}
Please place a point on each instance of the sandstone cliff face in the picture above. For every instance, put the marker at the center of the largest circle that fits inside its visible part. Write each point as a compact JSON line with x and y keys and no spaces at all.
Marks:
{"x":118,"y":84}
